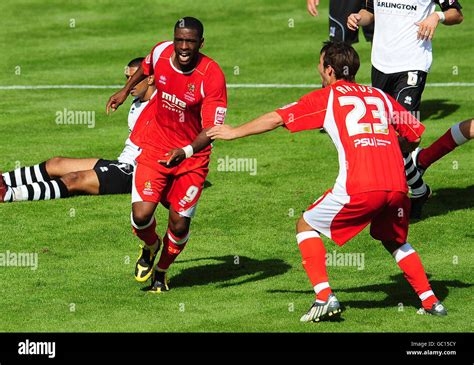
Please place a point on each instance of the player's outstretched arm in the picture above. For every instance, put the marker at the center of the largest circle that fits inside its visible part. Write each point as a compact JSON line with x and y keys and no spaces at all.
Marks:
{"x":265,"y":123}
{"x":312,"y":6}
{"x":120,"y":96}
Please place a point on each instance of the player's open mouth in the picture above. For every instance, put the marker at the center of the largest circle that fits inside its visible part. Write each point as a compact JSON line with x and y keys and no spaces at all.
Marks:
{"x":184,"y":57}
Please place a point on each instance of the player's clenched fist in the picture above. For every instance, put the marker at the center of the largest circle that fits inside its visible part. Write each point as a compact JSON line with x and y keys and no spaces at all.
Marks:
{"x":353,"y":21}
{"x":312,"y":7}
{"x":225,"y":132}
{"x":116,"y":100}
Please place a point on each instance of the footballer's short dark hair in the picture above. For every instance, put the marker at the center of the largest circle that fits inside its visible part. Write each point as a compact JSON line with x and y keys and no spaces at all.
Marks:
{"x":343,"y":58}
{"x":189,"y":22}
{"x":136,"y":62}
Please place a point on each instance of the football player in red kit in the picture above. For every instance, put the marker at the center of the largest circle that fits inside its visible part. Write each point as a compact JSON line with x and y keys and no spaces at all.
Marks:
{"x":173,"y":164}
{"x":365,"y":124}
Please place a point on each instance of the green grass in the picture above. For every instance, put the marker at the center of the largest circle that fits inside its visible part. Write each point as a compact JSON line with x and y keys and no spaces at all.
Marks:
{"x":241,"y":270}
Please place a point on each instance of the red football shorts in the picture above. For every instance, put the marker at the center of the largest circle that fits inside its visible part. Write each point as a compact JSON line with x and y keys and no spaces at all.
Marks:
{"x":341,"y":217}
{"x":179,"y":186}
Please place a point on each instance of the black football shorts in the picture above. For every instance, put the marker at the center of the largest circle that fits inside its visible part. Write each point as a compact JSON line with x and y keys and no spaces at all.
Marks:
{"x":405,"y":87}
{"x":114,"y":177}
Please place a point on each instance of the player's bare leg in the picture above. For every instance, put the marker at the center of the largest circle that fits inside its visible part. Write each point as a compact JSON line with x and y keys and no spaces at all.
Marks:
{"x":144,"y":227}
{"x":47,"y":170}
{"x":82,"y":182}
{"x":313,"y":253}
{"x":60,"y":166}
{"x":410,"y":263}
{"x":174,"y":241}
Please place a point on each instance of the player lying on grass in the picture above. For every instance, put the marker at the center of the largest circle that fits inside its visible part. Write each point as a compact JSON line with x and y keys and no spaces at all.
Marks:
{"x":455,"y":136}
{"x":363,"y":123}
{"x":60,"y":177}
{"x":172,"y":168}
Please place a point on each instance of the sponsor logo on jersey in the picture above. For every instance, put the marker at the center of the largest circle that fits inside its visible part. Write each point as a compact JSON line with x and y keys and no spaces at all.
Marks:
{"x":191,"y":88}
{"x":372,"y":142}
{"x":172,"y":102}
{"x":220,"y":115}
{"x":398,"y":6}
{"x":162,"y":80}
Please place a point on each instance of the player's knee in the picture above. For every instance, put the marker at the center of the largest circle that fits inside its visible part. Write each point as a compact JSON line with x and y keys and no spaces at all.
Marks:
{"x":467,"y":128}
{"x":141,"y":217}
{"x":302,"y":226}
{"x":54,"y":163}
{"x":179,"y":228}
{"x":72,"y":181}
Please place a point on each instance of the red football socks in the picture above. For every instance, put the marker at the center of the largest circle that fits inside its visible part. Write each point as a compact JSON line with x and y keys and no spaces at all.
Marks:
{"x":441,"y":147}
{"x":172,"y":247}
{"x":314,"y":262}
{"x":146,"y":233}
{"x":410,"y":263}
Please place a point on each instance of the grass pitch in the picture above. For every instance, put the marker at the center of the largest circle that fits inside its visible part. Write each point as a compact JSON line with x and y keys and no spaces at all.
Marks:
{"x":241,"y":270}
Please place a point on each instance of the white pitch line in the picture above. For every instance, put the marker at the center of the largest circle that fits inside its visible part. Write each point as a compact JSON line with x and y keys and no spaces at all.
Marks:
{"x":230,"y":86}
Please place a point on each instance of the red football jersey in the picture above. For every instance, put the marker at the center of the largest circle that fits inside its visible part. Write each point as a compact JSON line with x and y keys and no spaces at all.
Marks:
{"x":363,"y":123}
{"x":187,"y":102}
